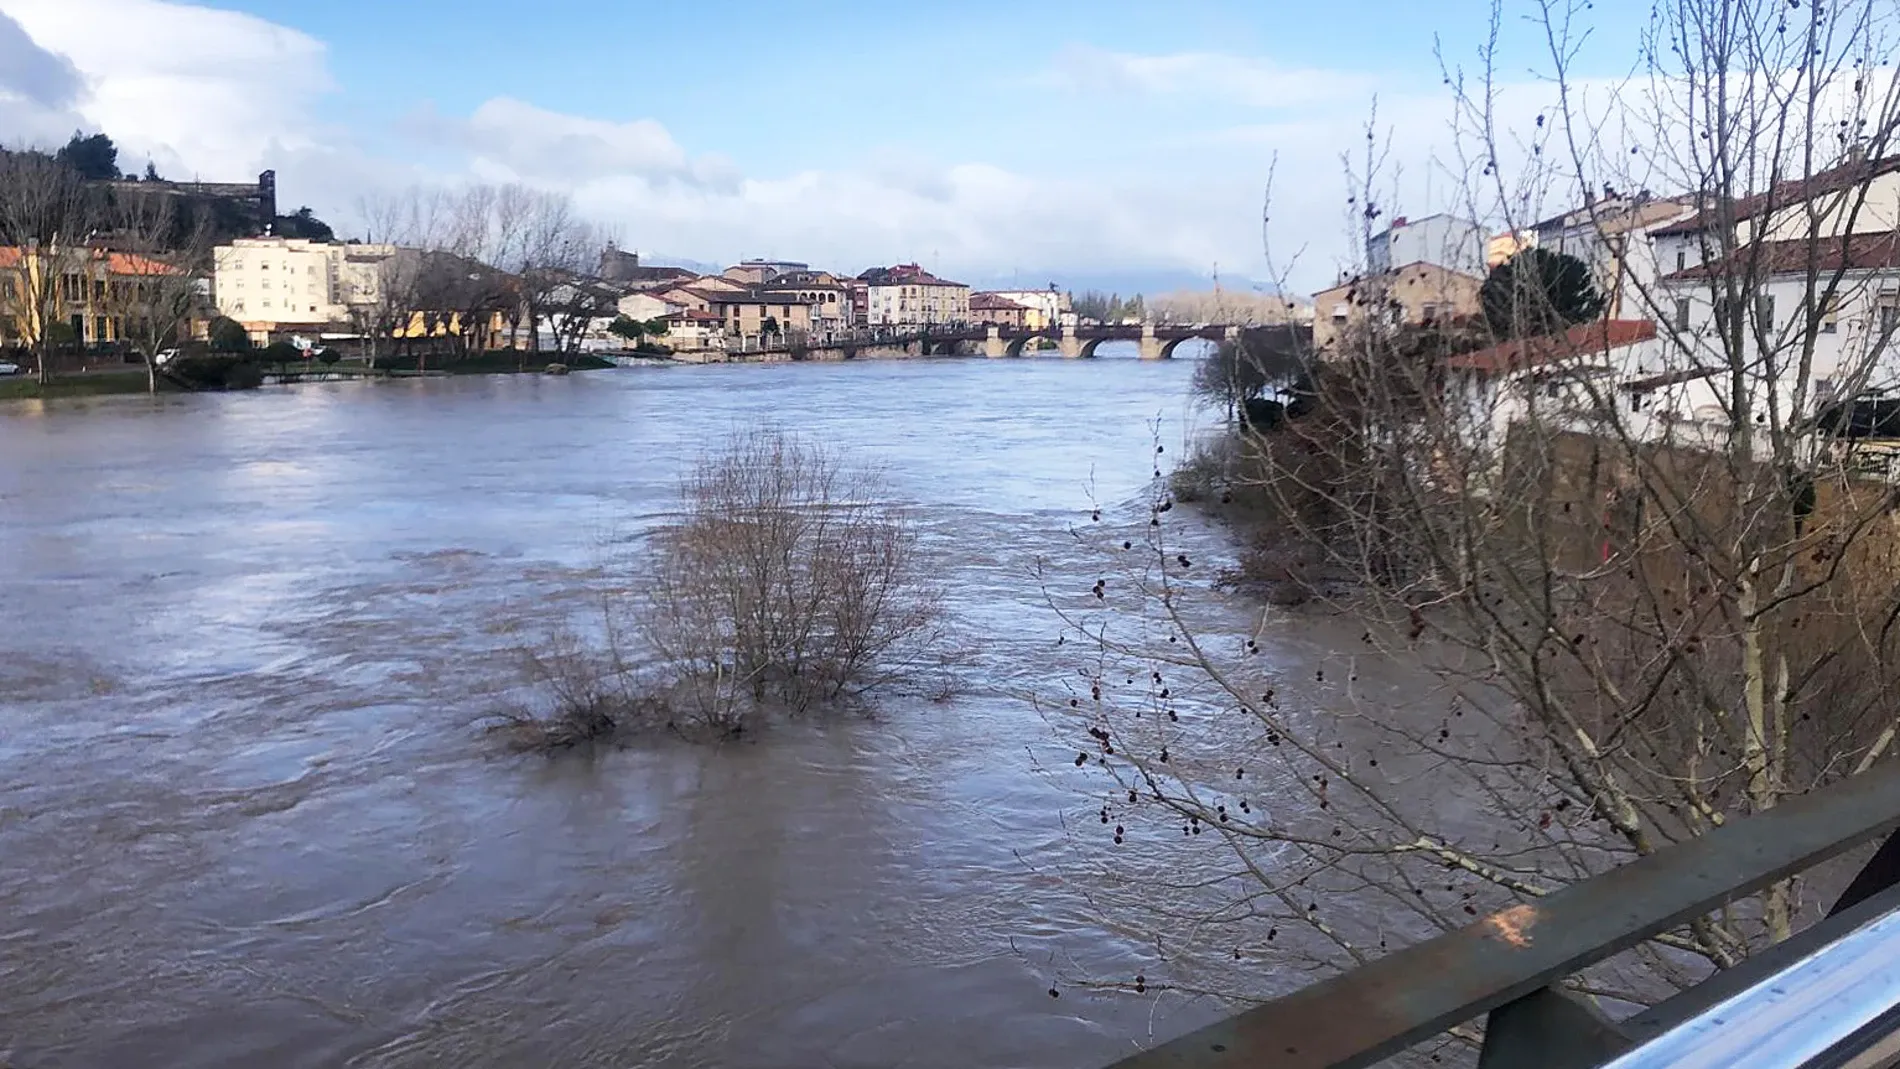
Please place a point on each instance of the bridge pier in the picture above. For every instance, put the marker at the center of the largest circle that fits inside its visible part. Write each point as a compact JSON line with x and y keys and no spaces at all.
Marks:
{"x":1151,"y":348}
{"x":1070,"y":345}
{"x":993,"y":345}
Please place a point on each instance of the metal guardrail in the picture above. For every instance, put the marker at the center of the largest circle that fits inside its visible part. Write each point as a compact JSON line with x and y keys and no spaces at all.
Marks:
{"x":1509,"y":966}
{"x":1837,"y":1006}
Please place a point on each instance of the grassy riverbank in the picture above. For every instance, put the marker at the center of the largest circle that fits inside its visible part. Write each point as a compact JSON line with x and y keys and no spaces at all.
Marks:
{"x":93,"y":384}
{"x":25,"y":387}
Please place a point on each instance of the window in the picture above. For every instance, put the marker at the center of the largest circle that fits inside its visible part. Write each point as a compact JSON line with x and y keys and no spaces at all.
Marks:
{"x":1823,"y":390}
{"x":1637,"y":398}
{"x":1765,"y":312}
{"x":1889,"y":313}
{"x":1682,"y":315}
{"x":1830,"y":315}
{"x":265,"y":267}
{"x":265,"y":283}
{"x":1682,"y":259}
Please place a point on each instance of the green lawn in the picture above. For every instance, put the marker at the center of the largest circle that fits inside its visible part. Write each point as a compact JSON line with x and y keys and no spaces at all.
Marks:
{"x":96,"y":384}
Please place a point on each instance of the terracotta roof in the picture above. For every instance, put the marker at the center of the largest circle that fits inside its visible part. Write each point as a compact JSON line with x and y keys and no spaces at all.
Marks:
{"x":1789,"y":192}
{"x":904,"y":275}
{"x":990,"y":302}
{"x":1521,"y":354}
{"x":117,"y":263}
{"x":1857,"y":252}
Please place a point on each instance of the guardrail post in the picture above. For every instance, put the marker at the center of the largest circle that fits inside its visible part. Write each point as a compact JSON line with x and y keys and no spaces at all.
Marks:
{"x":1549,"y":1029}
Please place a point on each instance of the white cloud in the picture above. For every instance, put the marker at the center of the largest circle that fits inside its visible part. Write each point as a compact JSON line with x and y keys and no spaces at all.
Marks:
{"x":1246,"y":80}
{"x":199,"y":90}
{"x":222,"y":95}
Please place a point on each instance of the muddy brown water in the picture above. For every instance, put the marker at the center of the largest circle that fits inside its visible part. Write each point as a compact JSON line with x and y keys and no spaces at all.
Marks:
{"x":248,"y":818}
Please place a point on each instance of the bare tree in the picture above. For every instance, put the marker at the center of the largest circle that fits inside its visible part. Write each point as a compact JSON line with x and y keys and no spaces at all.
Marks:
{"x":154,"y":274}
{"x":1608,"y":588}
{"x":47,"y":219}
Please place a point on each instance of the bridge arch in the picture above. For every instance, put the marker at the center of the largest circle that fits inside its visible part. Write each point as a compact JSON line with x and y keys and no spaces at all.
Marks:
{"x":1016,"y":345}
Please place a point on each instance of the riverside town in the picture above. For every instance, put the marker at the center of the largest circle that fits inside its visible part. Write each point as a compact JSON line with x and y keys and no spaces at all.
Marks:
{"x":1231,"y":543}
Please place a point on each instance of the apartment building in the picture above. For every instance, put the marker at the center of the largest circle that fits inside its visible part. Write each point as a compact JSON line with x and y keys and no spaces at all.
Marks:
{"x":270,"y":284}
{"x":908,"y":295}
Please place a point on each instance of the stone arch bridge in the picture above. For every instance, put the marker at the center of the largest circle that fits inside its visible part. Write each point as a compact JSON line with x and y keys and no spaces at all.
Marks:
{"x":1155,"y":341}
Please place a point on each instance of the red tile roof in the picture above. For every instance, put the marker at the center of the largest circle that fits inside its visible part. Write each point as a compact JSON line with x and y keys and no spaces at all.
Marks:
{"x":904,"y":275}
{"x":1583,"y":339}
{"x":1790,"y":192}
{"x":117,"y":263}
{"x":990,"y":302}
{"x":1856,"y":252}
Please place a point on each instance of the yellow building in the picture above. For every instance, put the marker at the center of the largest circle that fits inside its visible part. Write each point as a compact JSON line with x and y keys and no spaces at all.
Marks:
{"x":746,"y":313}
{"x":92,"y":288}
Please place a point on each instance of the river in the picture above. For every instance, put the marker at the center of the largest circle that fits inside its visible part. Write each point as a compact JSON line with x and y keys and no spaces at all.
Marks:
{"x":248,"y":816}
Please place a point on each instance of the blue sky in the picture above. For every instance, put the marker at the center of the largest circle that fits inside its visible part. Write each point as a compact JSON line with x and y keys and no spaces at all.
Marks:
{"x":1108,"y":138}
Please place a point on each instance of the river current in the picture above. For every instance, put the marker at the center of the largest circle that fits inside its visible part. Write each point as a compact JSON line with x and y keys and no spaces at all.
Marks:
{"x":249,"y":816}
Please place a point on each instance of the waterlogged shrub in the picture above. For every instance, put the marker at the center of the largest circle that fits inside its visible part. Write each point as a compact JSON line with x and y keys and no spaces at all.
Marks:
{"x":791,"y":583}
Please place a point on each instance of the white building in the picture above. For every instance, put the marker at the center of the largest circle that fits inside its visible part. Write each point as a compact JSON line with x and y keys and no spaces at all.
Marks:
{"x":1846,"y":289}
{"x":907,"y":295}
{"x":269,"y":284}
{"x":1444,"y":240}
{"x":1047,"y":308}
{"x":1616,"y":238}
{"x":648,"y":306}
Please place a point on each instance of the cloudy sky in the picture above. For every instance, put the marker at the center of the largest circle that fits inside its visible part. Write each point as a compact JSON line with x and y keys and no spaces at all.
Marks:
{"x":1073,"y":139}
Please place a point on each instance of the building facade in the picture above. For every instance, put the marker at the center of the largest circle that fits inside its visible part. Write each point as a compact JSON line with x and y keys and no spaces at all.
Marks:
{"x":1042,"y":308}
{"x":89,"y":289}
{"x":1413,"y":295}
{"x":827,"y":296}
{"x":996,"y":310}
{"x":1445,"y":240}
{"x":746,"y":314}
{"x":271,"y":284}
{"x":907,"y":295}
{"x":757,"y":272}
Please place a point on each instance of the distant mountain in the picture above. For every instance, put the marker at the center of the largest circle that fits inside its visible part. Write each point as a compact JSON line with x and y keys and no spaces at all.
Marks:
{"x":700,"y":266}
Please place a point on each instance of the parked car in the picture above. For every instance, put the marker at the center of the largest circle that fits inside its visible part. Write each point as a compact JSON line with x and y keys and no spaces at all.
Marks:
{"x":7,"y":367}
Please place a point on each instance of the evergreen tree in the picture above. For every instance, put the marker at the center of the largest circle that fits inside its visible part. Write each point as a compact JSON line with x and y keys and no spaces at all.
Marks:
{"x":1539,"y":292}
{"x":96,"y":158}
